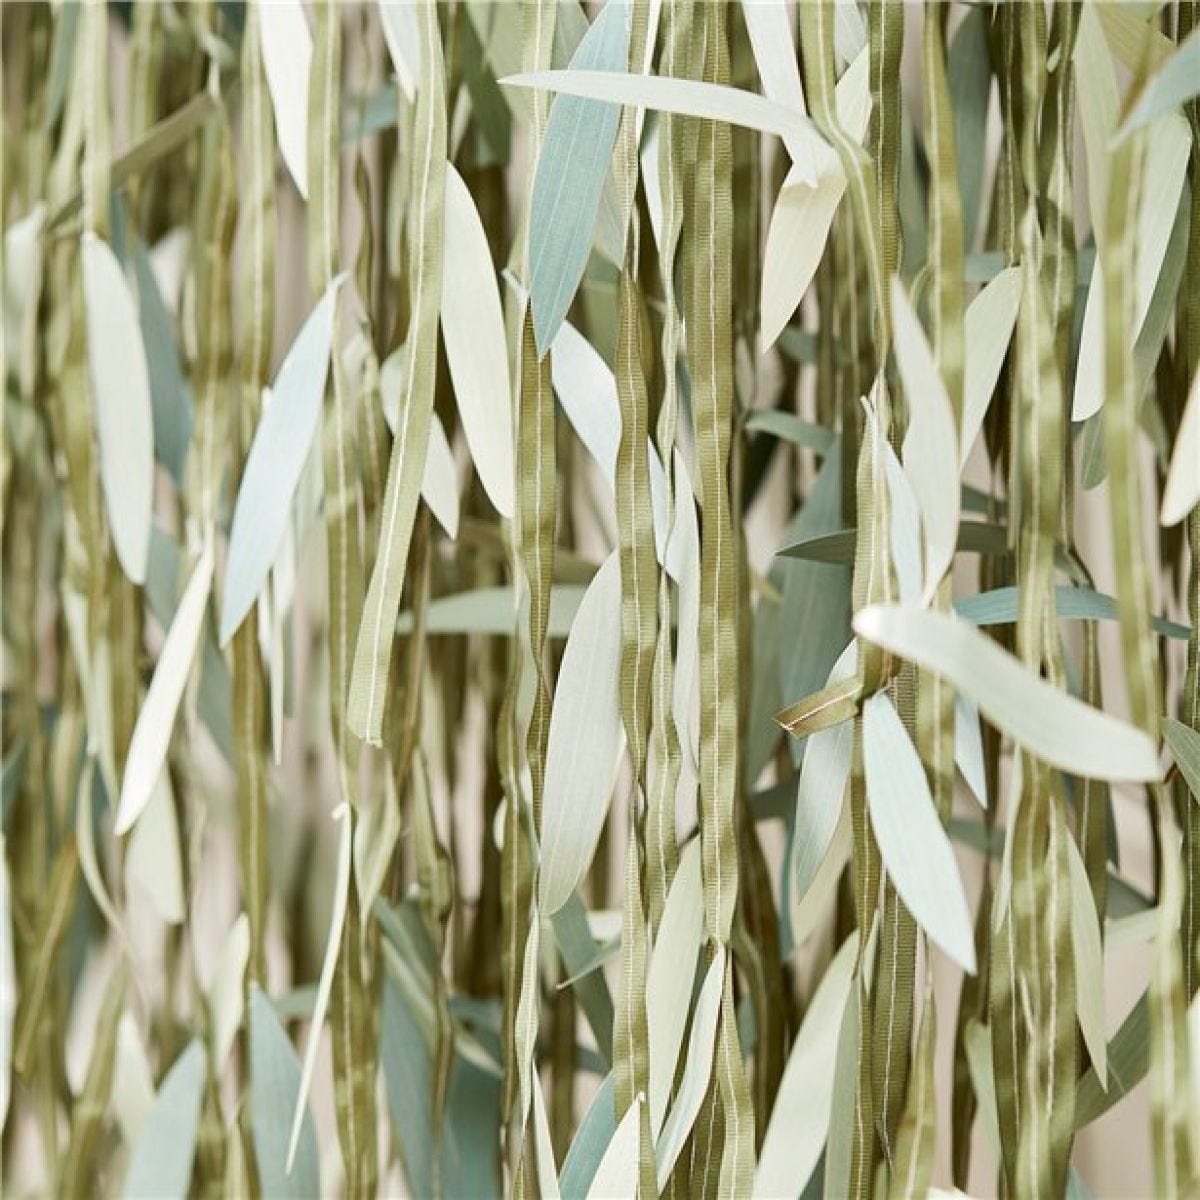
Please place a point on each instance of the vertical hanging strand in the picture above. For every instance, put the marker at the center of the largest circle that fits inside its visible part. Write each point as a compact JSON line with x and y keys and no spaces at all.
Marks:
{"x":257,"y":286}
{"x":373,"y":648}
{"x":350,"y":997}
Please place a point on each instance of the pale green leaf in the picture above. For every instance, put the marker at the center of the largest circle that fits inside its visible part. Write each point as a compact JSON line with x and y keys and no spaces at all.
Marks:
{"x":277,"y":456}
{"x":987,"y":331}
{"x":930,"y":450}
{"x":274,"y":1088}
{"x":153,"y":858}
{"x":591,"y":1140}
{"x":1182,"y":490}
{"x":573,"y":164}
{"x":1175,"y":83}
{"x":617,"y":1174}
{"x":120,"y":384}
{"x":133,"y":1085}
{"x":1089,"y":964}
{"x":476,"y":353}
{"x":152,"y":733}
{"x":585,"y":741}
{"x":1049,"y":723}
{"x":403,"y":38}
{"x":492,"y":611}
{"x":1184,"y":745}
{"x":799,"y":1121}
{"x":161,"y":1165}
{"x":225,"y":997}
{"x":697,"y":1070}
{"x":915,"y":849}
{"x":690,"y":98}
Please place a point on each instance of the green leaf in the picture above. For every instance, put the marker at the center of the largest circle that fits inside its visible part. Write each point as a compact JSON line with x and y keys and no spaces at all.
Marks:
{"x":930,"y":451}
{"x":799,"y":1121}
{"x":476,"y":352}
{"x":573,"y":163}
{"x":277,"y":456}
{"x":161,"y":1165}
{"x":1089,"y":964}
{"x":152,"y":857}
{"x":617,"y":1174}
{"x":697,"y":1071}
{"x":999,"y":607}
{"x":1128,"y":1061}
{"x":274,"y":1087}
{"x":987,"y":330}
{"x":120,"y":384}
{"x":170,"y":395}
{"x":403,"y":38}
{"x":1181,"y":492}
{"x":790,"y":428}
{"x":287,"y":52}
{"x":492,"y":611}
{"x":585,"y":741}
{"x":915,"y":849}
{"x":1056,"y":727}
{"x":152,"y":733}
{"x":711,"y":101}
{"x":591,"y":1140}
{"x":1174,"y":84}
{"x":1184,"y":744}
{"x":670,"y":977}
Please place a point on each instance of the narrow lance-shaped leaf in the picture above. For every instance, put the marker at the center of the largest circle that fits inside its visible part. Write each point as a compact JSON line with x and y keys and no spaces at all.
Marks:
{"x":1049,"y":723}
{"x":1182,"y":490}
{"x":121,"y":400}
{"x":287,"y":51}
{"x":585,"y":741}
{"x":152,"y":733}
{"x":277,"y":456}
{"x":915,"y":849}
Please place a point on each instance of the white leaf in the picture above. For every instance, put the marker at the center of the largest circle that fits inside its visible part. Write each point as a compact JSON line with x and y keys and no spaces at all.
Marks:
{"x":774,"y":47}
{"x":930,"y":450}
{"x":691,"y":98}
{"x":1181,"y":493}
{"x":277,"y":457}
{"x":670,"y":977}
{"x":403,"y":37}
{"x":904,"y":525}
{"x":987,"y":331}
{"x":120,"y":382}
{"x":547,"y":1175}
{"x":915,"y":849}
{"x":697,"y":1071}
{"x":800,"y":1118}
{"x":287,"y":52}
{"x":133,"y":1085}
{"x":476,"y":350}
{"x":152,"y":733}
{"x":1050,"y":724}
{"x":586,"y":739}
{"x":968,"y":748}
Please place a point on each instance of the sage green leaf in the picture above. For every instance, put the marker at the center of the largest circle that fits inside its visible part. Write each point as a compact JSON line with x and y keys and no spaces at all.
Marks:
{"x":999,"y":607}
{"x":152,"y":733}
{"x":1184,"y":745}
{"x":968,"y":748}
{"x":689,"y":98}
{"x":120,"y":385}
{"x":547,"y":1173}
{"x":8,"y":983}
{"x":287,"y":51}
{"x":274,"y":1087}
{"x":799,"y":1121}
{"x":573,"y":163}
{"x":1049,"y":723}
{"x":585,"y":741}
{"x":987,"y":330}
{"x":439,"y":483}
{"x":1088,"y":948}
{"x":930,"y":451}
{"x":915,"y":849}
{"x":161,"y":1165}
{"x":1174,"y":84}
{"x":670,"y":977}
{"x":617,"y":1174}
{"x":341,"y":893}
{"x":1128,"y":1061}
{"x":697,"y":1070}
{"x":591,"y":1140}
{"x":225,"y":997}
{"x":492,"y":611}
{"x":1181,"y":493}
{"x":473,"y":333}
{"x":790,"y":428}
{"x":277,"y":456}
{"x":170,"y":395}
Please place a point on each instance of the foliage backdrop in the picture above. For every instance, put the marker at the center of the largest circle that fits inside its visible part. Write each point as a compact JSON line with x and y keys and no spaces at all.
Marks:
{"x":538,"y":706}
